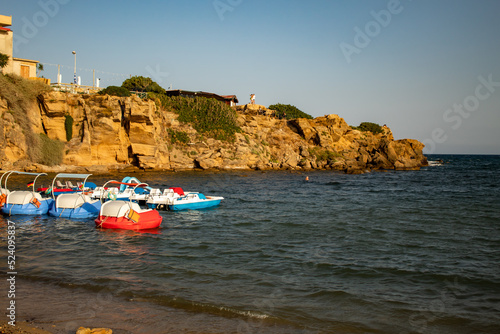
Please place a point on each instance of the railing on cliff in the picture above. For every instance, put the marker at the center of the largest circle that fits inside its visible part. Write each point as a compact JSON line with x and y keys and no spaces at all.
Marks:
{"x":76,"y":89}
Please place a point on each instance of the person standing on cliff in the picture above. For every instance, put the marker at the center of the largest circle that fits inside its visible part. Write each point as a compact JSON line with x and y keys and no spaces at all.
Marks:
{"x":252,"y":98}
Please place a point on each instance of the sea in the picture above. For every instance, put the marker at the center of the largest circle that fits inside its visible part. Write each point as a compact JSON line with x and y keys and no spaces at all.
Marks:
{"x":381,"y":252}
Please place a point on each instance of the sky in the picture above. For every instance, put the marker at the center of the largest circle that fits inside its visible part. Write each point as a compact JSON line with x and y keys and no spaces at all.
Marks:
{"x":429,"y":69}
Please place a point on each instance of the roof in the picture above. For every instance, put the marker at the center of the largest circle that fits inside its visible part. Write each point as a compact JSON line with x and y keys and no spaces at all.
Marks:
{"x":230,"y":97}
{"x":180,"y":92}
{"x":25,"y":60}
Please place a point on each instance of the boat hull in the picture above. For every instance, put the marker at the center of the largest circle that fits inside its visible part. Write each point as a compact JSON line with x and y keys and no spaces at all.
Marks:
{"x":147,"y":220}
{"x":28,"y":209}
{"x":87,"y":210}
{"x":202,"y":204}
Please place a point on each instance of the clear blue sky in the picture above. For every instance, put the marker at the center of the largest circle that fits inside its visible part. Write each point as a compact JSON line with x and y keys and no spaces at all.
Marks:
{"x":429,"y":69}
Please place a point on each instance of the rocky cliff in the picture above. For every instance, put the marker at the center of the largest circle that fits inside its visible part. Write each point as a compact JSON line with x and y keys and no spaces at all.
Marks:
{"x":117,"y":133}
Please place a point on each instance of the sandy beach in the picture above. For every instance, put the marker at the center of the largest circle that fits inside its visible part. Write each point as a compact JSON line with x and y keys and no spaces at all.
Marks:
{"x":20,"y":328}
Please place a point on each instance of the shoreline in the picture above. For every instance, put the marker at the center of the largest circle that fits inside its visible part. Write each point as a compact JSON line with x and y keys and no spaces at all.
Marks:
{"x":105,"y":170}
{"x":50,"y":308}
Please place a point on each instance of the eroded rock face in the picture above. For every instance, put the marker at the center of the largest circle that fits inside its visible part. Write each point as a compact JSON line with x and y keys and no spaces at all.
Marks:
{"x":113,"y":133}
{"x":106,"y":130}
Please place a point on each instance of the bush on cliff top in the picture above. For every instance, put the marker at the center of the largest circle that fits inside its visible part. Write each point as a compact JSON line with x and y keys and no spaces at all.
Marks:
{"x":288,"y":111}
{"x":213,"y":118}
{"x":115,"y":91}
{"x":142,"y":84}
{"x":369,"y":126}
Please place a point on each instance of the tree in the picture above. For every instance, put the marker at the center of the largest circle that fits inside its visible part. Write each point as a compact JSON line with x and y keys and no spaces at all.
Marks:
{"x":369,"y":126}
{"x":142,"y":84}
{"x":4,"y":60}
{"x":115,"y":91}
{"x":288,"y":111}
{"x":39,"y":68}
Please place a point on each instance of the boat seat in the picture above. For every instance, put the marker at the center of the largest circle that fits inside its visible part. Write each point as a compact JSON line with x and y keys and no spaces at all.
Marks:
{"x":169,"y":193}
{"x":155,"y":192}
{"x":22,"y":197}
{"x":119,"y":208}
{"x":113,"y":190}
{"x":59,"y":184}
{"x":71,"y":201}
{"x":70,"y":185}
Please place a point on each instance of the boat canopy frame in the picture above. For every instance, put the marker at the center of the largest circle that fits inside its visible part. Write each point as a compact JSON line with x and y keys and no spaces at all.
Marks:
{"x":9,"y":173}
{"x":129,"y":202}
{"x":135,"y":185}
{"x":69,"y":176}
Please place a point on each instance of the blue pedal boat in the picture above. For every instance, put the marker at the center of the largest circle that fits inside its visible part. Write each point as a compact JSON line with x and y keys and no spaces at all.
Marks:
{"x":74,"y":205}
{"x":23,"y":202}
{"x":194,"y":201}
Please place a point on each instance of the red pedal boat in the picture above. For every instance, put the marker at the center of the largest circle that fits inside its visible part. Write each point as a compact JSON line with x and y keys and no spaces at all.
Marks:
{"x":127,"y":216}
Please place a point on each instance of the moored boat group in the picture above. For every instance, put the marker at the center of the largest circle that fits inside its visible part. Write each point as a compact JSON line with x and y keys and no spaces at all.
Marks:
{"x":127,"y":204}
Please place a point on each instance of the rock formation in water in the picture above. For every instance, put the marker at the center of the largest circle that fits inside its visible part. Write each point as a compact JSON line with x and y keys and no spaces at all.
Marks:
{"x":127,"y":132}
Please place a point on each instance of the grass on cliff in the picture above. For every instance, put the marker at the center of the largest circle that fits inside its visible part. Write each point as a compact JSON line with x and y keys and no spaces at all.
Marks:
{"x":322,"y":154}
{"x":51,"y":153}
{"x":178,"y":136}
{"x":20,"y":94}
{"x":209,"y":117}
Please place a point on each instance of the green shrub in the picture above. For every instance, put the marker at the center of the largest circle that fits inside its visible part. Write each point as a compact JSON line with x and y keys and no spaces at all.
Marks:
{"x":4,"y":60}
{"x":51,"y":151}
{"x":368,"y":126}
{"x":142,"y":84}
{"x":178,"y":136}
{"x":68,"y":126}
{"x":209,"y":117}
{"x":322,"y":154}
{"x":288,"y":111}
{"x":115,"y":91}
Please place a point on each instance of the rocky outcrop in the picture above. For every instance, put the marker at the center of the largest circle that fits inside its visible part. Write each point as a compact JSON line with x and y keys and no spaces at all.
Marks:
{"x":116,"y":133}
{"x":83,"y":330}
{"x":107,"y":131}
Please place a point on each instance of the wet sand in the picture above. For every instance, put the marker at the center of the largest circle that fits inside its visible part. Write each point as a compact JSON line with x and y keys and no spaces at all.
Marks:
{"x":47,"y":308}
{"x":20,"y":328}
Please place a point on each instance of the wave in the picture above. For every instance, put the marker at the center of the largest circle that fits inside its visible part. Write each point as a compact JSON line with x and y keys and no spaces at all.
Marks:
{"x":435,"y":163}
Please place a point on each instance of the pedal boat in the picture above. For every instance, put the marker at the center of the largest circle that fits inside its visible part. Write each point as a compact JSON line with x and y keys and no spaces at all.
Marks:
{"x":194,"y":201}
{"x":77,"y":205}
{"x":127,"y":215}
{"x":23,"y":202}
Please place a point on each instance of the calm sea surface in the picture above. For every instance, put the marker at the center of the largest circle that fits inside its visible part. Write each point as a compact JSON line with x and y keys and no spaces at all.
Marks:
{"x":383,"y":252}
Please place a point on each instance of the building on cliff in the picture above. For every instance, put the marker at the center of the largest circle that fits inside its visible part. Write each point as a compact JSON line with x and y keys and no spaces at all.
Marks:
{"x":230,"y":100}
{"x":23,"y":67}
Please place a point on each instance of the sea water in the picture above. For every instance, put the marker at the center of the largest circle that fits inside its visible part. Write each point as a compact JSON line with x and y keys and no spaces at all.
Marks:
{"x":382,"y":252}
